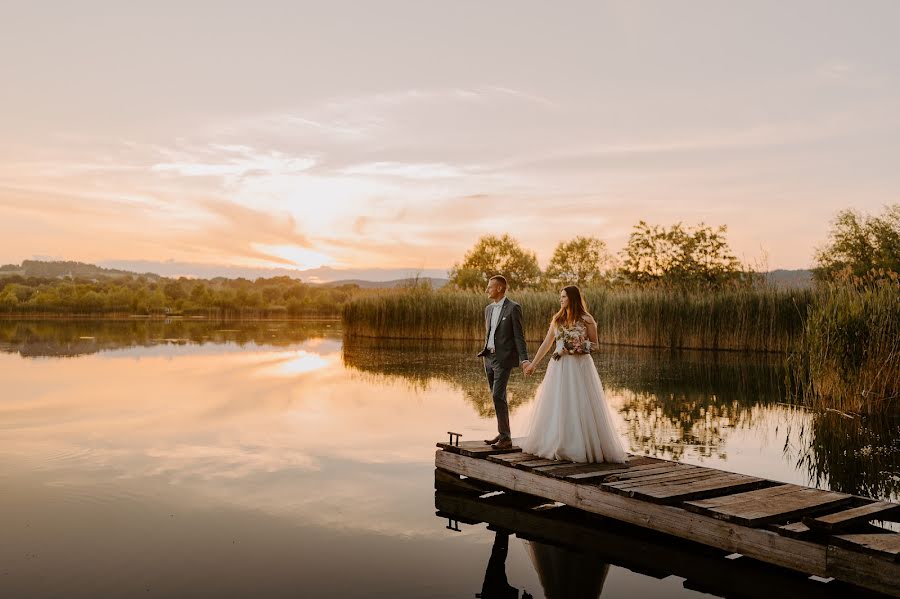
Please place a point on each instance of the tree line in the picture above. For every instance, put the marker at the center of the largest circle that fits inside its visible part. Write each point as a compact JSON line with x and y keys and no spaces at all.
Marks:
{"x":271,"y":297}
{"x":680,"y":256}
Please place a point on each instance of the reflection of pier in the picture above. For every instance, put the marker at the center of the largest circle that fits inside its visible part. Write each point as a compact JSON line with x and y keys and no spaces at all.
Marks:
{"x":807,"y":530}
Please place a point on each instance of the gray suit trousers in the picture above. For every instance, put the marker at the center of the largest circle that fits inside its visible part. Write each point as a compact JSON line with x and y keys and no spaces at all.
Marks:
{"x":498,"y":378}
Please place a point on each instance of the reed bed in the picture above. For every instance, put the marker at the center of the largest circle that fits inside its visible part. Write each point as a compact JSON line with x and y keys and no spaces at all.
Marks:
{"x":848,"y":357}
{"x":740,"y":319}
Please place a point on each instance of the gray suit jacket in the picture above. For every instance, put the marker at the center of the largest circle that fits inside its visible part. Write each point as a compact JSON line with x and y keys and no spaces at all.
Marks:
{"x":509,"y":338}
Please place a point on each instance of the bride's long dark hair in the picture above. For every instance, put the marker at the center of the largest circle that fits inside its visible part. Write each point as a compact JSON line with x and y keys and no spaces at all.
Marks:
{"x":574,"y":311}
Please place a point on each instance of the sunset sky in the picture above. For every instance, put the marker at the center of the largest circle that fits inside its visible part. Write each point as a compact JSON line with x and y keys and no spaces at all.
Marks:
{"x":383,"y":138}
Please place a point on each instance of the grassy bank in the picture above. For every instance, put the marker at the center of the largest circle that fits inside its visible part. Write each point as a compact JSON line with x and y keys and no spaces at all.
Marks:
{"x":755,"y":320}
{"x":841,"y":342}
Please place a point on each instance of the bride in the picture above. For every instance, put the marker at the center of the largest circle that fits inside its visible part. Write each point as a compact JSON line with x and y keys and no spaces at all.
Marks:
{"x":571,"y":420}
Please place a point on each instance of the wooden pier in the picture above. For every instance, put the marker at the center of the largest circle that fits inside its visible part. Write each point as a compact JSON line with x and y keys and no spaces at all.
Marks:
{"x":815,"y":532}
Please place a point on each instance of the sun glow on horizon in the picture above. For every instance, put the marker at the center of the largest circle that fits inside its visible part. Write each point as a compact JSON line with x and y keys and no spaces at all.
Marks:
{"x":405,"y":159}
{"x":300,"y":258}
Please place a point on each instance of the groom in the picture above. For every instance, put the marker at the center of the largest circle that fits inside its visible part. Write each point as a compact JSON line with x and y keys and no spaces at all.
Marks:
{"x":504,"y":349}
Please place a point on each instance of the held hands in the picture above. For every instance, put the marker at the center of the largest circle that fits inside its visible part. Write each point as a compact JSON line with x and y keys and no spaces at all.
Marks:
{"x":527,"y":367}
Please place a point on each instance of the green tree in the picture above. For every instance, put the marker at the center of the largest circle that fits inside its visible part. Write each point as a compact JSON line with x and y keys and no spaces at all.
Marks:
{"x":90,"y":303}
{"x":156,"y":302}
{"x":119,"y":298}
{"x":8,"y":302}
{"x":859,"y":244}
{"x":200,"y":295}
{"x":174,"y":290}
{"x":582,"y":261}
{"x":493,"y":255}
{"x":679,"y":255}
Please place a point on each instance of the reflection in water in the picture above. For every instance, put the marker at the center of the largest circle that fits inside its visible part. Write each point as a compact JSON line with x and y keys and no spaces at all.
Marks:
{"x":670,"y":400}
{"x":854,"y":454}
{"x":451,"y":362}
{"x":691,"y":399}
{"x":672,"y":403}
{"x":496,"y":585}
{"x":567,"y":574}
{"x":70,"y":338}
{"x":276,"y":445}
{"x":580,"y":556}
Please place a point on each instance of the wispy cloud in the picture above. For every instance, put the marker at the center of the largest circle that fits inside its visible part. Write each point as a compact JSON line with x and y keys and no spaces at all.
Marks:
{"x":837,"y":70}
{"x":238,"y":161}
{"x":406,"y":171}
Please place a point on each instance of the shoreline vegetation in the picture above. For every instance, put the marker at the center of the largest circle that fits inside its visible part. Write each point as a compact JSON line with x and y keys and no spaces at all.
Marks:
{"x":840,"y":341}
{"x":677,"y":287}
{"x":742,"y":319}
{"x":142,"y":296}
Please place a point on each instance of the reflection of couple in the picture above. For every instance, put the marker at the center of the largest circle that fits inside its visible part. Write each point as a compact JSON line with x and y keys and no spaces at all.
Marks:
{"x":571,"y":420}
{"x":564,"y":574}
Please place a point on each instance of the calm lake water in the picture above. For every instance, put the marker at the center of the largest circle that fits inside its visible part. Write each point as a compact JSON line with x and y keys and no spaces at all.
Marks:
{"x":280,"y":460}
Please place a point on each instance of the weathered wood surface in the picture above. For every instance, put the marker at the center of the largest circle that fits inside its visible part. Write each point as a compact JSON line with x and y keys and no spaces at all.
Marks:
{"x":731,"y":522}
{"x":511,"y":457}
{"x":673,"y":491}
{"x":796,"y":530}
{"x":851,"y":565}
{"x":530,"y":464}
{"x":476,"y":449}
{"x":607,"y":471}
{"x":629,"y":472}
{"x":885,"y":544}
{"x":564,"y":470}
{"x":757,"y":511}
{"x":871,"y":511}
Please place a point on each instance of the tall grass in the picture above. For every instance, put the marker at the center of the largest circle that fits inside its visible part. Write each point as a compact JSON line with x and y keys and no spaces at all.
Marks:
{"x":848,"y":357}
{"x":740,"y":319}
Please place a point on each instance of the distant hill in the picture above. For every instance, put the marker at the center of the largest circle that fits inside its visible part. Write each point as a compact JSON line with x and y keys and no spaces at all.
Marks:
{"x":62,"y":269}
{"x":790,"y":278}
{"x":59,"y":269}
{"x":436,"y":283}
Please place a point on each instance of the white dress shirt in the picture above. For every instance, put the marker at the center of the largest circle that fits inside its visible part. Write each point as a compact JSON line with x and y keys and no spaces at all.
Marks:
{"x":495,"y":320}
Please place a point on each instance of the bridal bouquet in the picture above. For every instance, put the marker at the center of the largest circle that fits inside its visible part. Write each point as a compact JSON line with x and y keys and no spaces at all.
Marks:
{"x":572,"y":343}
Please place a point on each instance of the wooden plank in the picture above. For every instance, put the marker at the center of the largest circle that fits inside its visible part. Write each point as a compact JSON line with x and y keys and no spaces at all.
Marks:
{"x":879,"y":574}
{"x":636,"y":461}
{"x":511,"y":458}
{"x":886,"y":544}
{"x":758,"y":543}
{"x":476,"y":449}
{"x":760,"y":494}
{"x":699,"y":488}
{"x":610,"y":470}
{"x":567,"y":469}
{"x":653,"y":479}
{"x":795,"y":530}
{"x":634,"y":488}
{"x":529,"y":464}
{"x":872,"y":511}
{"x":779,"y":508}
{"x":653,"y":470}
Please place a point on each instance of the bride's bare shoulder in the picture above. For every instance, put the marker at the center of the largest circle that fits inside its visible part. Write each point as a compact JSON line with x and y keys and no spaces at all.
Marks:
{"x":589,"y":319}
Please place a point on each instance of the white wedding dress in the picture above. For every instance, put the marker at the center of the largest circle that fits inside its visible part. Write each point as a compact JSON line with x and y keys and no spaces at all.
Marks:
{"x":571,"y":420}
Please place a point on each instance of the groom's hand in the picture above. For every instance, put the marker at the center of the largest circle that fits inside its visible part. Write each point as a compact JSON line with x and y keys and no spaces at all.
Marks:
{"x":525,"y":366}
